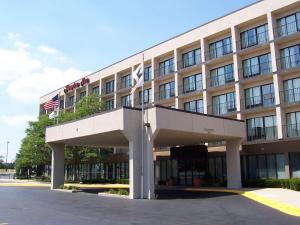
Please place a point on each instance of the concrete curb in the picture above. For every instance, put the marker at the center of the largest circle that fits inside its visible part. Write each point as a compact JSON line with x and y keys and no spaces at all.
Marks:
{"x":282,"y":207}
{"x":66,"y":190}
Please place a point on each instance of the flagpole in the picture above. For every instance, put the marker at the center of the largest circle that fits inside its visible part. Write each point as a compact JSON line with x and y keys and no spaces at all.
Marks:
{"x":142,"y":175}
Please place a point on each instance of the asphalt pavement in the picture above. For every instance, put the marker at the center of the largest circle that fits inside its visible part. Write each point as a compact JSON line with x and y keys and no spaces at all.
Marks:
{"x":40,"y":206}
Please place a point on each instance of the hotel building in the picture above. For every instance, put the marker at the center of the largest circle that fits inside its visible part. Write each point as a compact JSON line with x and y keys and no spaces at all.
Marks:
{"x":242,"y":66}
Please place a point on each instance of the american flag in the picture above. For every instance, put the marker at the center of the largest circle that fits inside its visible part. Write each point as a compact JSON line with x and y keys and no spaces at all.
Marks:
{"x":52,"y":103}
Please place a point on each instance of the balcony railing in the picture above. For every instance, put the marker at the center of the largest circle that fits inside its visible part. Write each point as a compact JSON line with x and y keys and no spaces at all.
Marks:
{"x":189,"y":61}
{"x":292,"y":95}
{"x":223,"y":108}
{"x":170,"y":93}
{"x":190,"y":88}
{"x":124,"y":85}
{"x":290,"y":62}
{"x":218,"y":52}
{"x":262,"y":133}
{"x":105,"y":91}
{"x":266,"y":100}
{"x":253,"y":40}
{"x":257,"y":70}
{"x":288,"y":29}
{"x":165,"y":70}
{"x":293,"y":130}
{"x":221,"y":80}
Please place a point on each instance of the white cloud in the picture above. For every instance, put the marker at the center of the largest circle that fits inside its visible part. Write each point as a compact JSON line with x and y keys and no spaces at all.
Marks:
{"x":21,"y":45}
{"x":16,"y":120}
{"x":15,"y":64}
{"x":30,"y":87}
{"x":12,"y":36}
{"x":48,"y":50}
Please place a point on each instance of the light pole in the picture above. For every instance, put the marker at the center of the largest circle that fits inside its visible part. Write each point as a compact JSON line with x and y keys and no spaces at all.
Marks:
{"x":6,"y":152}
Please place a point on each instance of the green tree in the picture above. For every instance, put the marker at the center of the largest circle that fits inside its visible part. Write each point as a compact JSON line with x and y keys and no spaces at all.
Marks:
{"x":34,"y":151}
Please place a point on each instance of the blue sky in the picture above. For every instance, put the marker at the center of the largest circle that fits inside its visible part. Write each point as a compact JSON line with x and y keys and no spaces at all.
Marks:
{"x":46,"y":44}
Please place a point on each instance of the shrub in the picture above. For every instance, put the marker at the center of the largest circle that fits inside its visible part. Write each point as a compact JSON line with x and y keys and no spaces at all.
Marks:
{"x":293,"y":183}
{"x":120,"y":191}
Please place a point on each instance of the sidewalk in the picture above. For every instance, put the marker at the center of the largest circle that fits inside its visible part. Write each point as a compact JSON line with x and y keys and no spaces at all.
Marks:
{"x":284,"y":200}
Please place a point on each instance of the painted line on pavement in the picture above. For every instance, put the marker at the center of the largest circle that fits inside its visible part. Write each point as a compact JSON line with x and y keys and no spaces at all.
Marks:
{"x":282,"y":207}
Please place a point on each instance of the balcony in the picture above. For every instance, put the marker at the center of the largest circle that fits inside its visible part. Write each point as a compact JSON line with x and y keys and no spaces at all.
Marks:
{"x":253,"y":40}
{"x":223,"y":108}
{"x":264,"y":101}
{"x":221,"y":80}
{"x":261,"y":133}
{"x":107,"y":91}
{"x":288,"y":29}
{"x":165,"y":94}
{"x":190,"y":62}
{"x":164,"y":71}
{"x":190,"y":88}
{"x":218,"y":52}
{"x":124,"y":86}
{"x":290,"y":62}
{"x":292,"y":96}
{"x":292,"y":130}
{"x":257,"y":70}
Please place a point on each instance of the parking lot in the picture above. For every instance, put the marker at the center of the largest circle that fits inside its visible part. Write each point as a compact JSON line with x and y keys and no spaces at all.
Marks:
{"x":40,"y":206}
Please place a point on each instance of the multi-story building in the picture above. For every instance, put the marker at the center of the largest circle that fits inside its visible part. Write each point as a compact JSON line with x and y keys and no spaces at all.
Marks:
{"x":244,"y":65}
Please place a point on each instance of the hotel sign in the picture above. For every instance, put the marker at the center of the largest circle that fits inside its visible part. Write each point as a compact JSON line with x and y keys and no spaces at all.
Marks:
{"x":75,"y":85}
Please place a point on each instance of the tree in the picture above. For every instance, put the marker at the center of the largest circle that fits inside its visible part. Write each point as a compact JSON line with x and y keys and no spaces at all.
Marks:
{"x":34,"y":150}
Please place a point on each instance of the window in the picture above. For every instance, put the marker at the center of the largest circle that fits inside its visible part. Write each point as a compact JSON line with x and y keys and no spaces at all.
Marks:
{"x":167,"y":90}
{"x":261,"y":128}
{"x":259,"y":96}
{"x":293,"y":124}
{"x":254,"y":36}
{"x":220,"y":48}
{"x":191,"y":58}
{"x":166,"y":67}
{"x":194,"y":106}
{"x":290,"y":57}
{"x":82,"y":95}
{"x":192,"y":83}
{"x":294,"y":158}
{"x":292,"y":90}
{"x":223,"y":104}
{"x":221,"y":76}
{"x":257,"y":65}
{"x":288,"y":25}
{"x":109,"y":86}
{"x":61,"y":104}
{"x":126,"y":81}
{"x":95,"y":90}
{"x":109,"y":104}
{"x":147,"y":73}
{"x":263,"y":166}
{"x":126,"y":100}
{"x":71,"y":100}
{"x":147,"y":96}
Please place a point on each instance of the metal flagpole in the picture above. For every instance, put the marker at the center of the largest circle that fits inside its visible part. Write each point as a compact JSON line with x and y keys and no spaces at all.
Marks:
{"x":142,"y":175}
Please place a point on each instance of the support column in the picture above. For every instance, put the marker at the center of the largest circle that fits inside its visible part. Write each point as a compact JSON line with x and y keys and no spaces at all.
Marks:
{"x":57,"y":165}
{"x":148,"y":170}
{"x":287,"y":165}
{"x":135,"y":169}
{"x":233,"y":163}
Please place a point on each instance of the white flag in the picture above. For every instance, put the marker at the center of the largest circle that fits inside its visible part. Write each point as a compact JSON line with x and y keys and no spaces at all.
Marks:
{"x":138,"y":76}
{"x":54,"y":114}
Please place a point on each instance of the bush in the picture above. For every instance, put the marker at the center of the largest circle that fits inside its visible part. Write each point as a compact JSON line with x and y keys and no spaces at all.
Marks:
{"x":118,"y":191}
{"x":106,"y":181}
{"x":293,"y":184}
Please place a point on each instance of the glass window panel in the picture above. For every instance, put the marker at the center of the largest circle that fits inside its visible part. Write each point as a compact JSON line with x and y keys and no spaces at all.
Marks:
{"x":280,"y":166}
{"x":265,"y":63}
{"x":294,"y":158}
{"x":227,"y":45}
{"x":252,"y":167}
{"x":252,"y":38}
{"x":219,"y":49}
{"x":271,"y":162}
{"x":291,"y":26}
{"x":262,"y":167}
{"x":262,"y":34}
{"x":254,"y":66}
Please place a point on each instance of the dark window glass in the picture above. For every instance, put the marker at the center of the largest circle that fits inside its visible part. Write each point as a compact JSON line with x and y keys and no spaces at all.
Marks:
{"x":261,"y":128}
{"x":109,"y":86}
{"x":166,"y":67}
{"x":95,"y":90}
{"x":191,"y":58}
{"x":194,"y":106}
{"x":257,"y":65}
{"x":220,"y":48}
{"x":147,"y":73}
{"x":126,"y":100}
{"x":147,"y":96}
{"x":259,"y":96}
{"x":254,"y":36}
{"x":167,"y":90}
{"x":126,"y":81}
{"x":223,"y":104}
{"x":222,"y":75}
{"x":192,"y":83}
{"x":290,"y":57}
{"x":288,"y":25}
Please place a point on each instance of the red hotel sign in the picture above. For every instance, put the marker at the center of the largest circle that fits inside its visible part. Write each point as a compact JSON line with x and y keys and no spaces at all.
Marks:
{"x":71,"y":87}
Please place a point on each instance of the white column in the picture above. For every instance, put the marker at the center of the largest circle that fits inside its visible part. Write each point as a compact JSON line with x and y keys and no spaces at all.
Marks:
{"x":57,"y":165}
{"x":135,"y":168}
{"x":233,"y":163}
{"x":148,"y":169}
